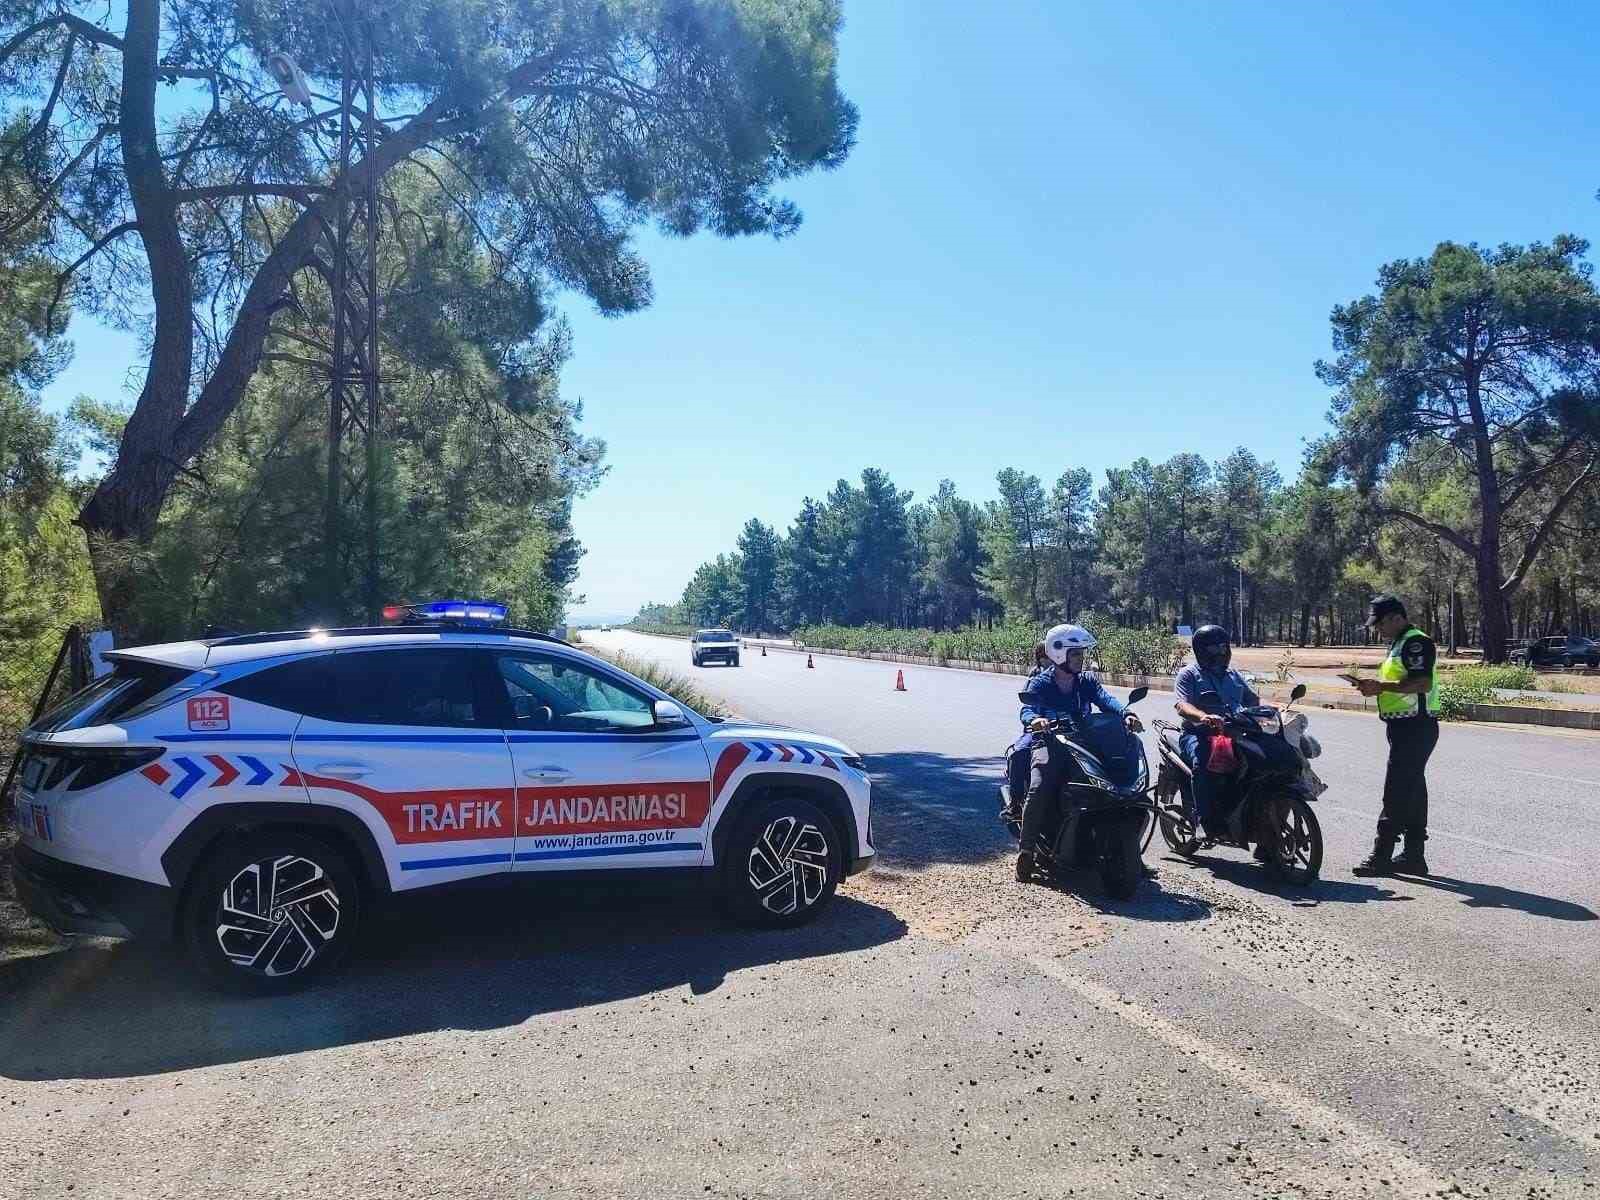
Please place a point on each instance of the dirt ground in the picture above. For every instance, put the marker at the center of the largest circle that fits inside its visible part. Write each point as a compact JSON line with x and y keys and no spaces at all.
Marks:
{"x":20,"y":935}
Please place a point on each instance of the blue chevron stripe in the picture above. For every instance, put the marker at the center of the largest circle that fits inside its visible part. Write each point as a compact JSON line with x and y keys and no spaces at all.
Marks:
{"x":763,"y":751}
{"x":805,"y":755}
{"x":261,"y":774}
{"x":193,"y":773}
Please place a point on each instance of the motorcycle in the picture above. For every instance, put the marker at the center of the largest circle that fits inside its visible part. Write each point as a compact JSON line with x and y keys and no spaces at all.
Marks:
{"x":1269,"y":809}
{"x":1105,"y":801}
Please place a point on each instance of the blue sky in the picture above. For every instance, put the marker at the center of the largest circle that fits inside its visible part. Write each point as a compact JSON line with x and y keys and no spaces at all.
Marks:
{"x":1071,"y":234}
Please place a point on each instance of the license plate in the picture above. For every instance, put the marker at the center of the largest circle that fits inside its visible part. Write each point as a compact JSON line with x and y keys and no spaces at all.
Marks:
{"x":34,"y":819}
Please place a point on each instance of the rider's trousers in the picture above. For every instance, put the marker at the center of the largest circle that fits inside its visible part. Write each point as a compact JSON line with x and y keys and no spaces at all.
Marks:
{"x":1041,"y":811}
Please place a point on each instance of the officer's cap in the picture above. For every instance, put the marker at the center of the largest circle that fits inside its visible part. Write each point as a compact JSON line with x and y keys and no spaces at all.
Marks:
{"x":1381,"y":607}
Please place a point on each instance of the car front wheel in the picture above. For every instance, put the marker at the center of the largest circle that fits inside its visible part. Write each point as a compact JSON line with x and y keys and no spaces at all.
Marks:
{"x":271,"y":912}
{"x":782,"y":864}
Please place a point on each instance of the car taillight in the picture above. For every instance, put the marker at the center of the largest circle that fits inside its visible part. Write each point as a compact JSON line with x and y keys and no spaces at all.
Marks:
{"x":90,"y":765}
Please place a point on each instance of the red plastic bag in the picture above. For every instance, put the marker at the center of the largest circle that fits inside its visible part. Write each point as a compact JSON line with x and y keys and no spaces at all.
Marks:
{"x":1224,"y":759}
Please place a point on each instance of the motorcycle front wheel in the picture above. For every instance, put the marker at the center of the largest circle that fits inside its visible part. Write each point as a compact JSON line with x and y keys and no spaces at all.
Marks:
{"x":1293,"y":839}
{"x":1177,"y":831}
{"x":1123,"y":865}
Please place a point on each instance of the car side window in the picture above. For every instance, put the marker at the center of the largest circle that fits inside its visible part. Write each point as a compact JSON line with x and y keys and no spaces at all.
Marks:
{"x":425,"y":686}
{"x":301,"y":686}
{"x":545,"y":692}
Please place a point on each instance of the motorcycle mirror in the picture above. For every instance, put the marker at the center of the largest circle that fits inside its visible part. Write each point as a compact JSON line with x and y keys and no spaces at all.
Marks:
{"x":1023,"y":696}
{"x":1138,"y":694}
{"x":1299,"y":690}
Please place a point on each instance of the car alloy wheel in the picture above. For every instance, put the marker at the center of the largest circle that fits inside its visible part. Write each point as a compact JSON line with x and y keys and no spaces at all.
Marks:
{"x":277,"y":915}
{"x":788,"y":866}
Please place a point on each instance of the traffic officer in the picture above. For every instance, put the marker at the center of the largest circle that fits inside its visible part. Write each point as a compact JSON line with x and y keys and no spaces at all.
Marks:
{"x":1407,"y":689}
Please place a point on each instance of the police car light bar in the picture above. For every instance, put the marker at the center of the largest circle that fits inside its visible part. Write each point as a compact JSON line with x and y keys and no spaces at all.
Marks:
{"x":485,"y":612}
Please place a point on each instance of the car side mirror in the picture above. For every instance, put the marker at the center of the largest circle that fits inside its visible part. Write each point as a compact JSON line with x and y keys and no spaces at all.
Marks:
{"x":1138,"y":694}
{"x":1299,"y":690}
{"x":669,"y":715}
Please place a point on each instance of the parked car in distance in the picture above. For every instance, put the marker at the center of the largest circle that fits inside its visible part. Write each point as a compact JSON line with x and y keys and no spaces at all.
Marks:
{"x":1563,"y":651}
{"x":714,"y":645}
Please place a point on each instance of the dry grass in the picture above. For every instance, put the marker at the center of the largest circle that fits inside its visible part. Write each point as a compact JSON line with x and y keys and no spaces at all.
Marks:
{"x":20,"y":935}
{"x":676,"y":686}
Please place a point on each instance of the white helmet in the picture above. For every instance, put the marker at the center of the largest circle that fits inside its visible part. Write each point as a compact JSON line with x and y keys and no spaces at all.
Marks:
{"x":1064,"y":638}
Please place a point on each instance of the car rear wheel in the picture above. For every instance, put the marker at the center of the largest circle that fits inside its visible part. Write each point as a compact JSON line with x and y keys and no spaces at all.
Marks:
{"x":782,"y":863}
{"x":270,"y":912}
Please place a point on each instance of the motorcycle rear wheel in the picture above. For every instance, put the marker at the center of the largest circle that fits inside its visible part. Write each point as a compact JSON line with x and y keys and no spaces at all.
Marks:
{"x":1293,"y":839}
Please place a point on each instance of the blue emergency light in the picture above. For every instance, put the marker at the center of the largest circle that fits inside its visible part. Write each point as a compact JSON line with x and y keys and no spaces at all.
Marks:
{"x":479,"y":612}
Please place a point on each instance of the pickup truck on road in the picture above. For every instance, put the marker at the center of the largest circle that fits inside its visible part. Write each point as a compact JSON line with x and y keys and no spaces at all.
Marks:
{"x":714,"y":645}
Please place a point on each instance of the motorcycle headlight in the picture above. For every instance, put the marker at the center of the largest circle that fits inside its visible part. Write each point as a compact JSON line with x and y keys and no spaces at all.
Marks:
{"x":1092,"y":772}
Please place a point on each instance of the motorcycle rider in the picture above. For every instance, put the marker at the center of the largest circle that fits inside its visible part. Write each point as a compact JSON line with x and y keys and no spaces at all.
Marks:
{"x":1206,"y":689}
{"x":1060,"y":689}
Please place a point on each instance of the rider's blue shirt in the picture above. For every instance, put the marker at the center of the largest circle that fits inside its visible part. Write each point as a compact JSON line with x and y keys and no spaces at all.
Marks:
{"x":1217,"y":692}
{"x":1044,"y":697}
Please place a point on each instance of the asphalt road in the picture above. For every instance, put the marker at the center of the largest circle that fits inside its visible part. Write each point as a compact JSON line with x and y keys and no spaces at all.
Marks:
{"x":942,"y":1032}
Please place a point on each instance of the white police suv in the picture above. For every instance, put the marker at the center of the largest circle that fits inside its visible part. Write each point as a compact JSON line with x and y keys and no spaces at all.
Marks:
{"x":255,"y":794}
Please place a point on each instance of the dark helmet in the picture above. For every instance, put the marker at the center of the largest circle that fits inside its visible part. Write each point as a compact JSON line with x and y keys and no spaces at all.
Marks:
{"x":1211,"y":647}
{"x":1381,"y":606}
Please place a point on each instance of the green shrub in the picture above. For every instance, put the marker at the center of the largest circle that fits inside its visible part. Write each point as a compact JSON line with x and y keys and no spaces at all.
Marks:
{"x":659,"y":628}
{"x":1139,"y":651}
{"x":1125,"y":651}
{"x":1457,"y":696}
{"x":1510,"y":678}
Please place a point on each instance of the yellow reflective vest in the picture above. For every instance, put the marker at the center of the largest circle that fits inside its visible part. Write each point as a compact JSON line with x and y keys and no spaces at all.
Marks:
{"x":1394,"y":705}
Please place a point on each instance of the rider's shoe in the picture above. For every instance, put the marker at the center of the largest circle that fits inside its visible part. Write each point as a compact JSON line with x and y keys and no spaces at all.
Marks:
{"x":1024,"y":868}
{"x":1379,"y":862}
{"x":1260,"y":853}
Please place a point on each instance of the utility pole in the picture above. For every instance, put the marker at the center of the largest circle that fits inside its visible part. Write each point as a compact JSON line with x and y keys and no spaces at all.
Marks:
{"x":354,"y":391}
{"x":350,"y":240}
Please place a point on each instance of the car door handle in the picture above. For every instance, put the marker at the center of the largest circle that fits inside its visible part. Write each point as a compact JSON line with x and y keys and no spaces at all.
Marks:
{"x":557,"y":774}
{"x":343,"y":770}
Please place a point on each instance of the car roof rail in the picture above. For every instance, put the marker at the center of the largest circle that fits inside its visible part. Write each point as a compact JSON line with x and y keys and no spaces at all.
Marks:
{"x":297,"y":635}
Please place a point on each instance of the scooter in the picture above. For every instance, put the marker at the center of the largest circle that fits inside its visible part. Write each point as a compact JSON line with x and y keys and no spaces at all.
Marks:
{"x":1105,"y":801}
{"x":1269,"y":808}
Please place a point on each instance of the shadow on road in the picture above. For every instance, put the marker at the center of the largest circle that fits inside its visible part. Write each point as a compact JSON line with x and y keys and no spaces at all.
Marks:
{"x":1253,"y":877}
{"x":932,"y":808}
{"x":1488,"y":895}
{"x":474,"y":959}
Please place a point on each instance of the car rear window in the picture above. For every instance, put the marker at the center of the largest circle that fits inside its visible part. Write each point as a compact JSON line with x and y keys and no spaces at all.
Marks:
{"x":128,"y":686}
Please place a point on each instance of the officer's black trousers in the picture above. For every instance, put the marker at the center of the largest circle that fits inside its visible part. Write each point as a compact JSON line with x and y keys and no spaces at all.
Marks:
{"x":1405,"y":786}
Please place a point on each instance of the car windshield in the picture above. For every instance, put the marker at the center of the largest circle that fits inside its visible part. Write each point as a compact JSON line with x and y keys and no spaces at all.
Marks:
{"x":716,"y":635}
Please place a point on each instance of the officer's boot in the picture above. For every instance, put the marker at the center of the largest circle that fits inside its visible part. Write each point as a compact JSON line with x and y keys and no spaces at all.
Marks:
{"x":1411,"y":861}
{"x":1024,"y":867}
{"x":1380,"y":861}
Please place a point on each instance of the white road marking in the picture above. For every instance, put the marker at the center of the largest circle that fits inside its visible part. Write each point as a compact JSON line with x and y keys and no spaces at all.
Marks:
{"x":1434,"y":831}
{"x":1557,"y":778}
{"x":1371,"y":1147}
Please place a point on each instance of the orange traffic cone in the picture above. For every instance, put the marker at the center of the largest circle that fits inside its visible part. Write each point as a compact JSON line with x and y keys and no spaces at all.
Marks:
{"x":809,"y":664}
{"x":899,"y":681}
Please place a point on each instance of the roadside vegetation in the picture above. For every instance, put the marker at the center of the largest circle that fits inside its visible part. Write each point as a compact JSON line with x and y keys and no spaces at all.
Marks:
{"x":683,"y":690}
